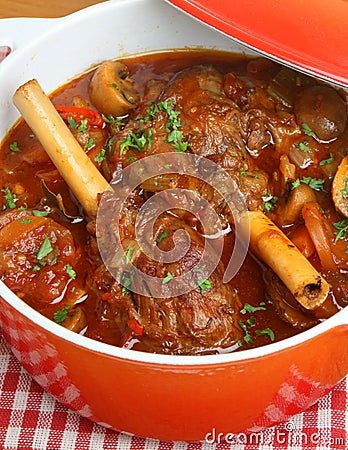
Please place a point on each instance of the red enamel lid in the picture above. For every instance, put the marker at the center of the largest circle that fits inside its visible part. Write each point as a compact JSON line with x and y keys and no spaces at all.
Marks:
{"x":311,"y":35}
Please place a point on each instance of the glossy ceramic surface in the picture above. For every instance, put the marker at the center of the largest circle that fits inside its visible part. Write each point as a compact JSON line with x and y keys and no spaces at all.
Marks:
{"x":311,"y":35}
{"x":163,"y":397}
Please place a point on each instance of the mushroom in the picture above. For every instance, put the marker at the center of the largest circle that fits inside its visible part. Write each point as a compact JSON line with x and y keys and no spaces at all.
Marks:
{"x":111,"y":90}
{"x":323,"y":110}
{"x":289,"y":212}
{"x":340,"y":188}
{"x":75,"y":320}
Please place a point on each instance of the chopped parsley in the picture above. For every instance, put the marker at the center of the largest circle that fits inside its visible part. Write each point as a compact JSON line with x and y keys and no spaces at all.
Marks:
{"x":308,"y":131}
{"x":175,"y":136}
{"x":14,"y":147}
{"x":39,"y":213}
{"x":127,"y":281}
{"x":244,"y":173}
{"x":167,"y":278}
{"x":204,"y":285}
{"x":110,"y":119}
{"x":327,"y":161}
{"x":10,"y":199}
{"x":101,"y":155}
{"x":45,"y":249}
{"x":129,"y":252}
{"x":344,"y":191}
{"x":60,"y":315}
{"x":269,"y":202}
{"x":136,"y":140}
{"x":25,"y":221}
{"x":266,"y":331}
{"x":317,"y":184}
{"x":163,"y":235}
{"x":341,"y":229}
{"x":72,"y":122}
{"x":115,"y":86}
{"x":303,"y":146}
{"x":251,"y":322}
{"x":247,"y":308}
{"x":70,"y":271}
{"x":247,"y":337}
{"x":90,"y":143}
{"x":81,"y":127}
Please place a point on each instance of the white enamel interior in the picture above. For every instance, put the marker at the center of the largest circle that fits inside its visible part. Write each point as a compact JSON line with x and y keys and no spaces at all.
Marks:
{"x":54,"y":51}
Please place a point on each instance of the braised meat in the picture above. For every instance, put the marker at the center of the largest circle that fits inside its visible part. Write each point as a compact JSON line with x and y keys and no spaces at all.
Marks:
{"x":204,"y":152}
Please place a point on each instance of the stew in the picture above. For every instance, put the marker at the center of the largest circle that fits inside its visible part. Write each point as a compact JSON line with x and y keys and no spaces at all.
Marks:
{"x":279,"y":136}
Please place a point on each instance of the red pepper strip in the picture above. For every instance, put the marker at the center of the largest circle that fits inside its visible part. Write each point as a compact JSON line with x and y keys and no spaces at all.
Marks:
{"x":93,"y":118}
{"x":135,"y":326}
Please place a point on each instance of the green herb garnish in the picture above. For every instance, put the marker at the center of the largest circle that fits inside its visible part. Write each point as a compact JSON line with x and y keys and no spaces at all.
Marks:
{"x":163,"y":235}
{"x":167,"y":278}
{"x":137,"y":141}
{"x":314,"y":183}
{"x":110,"y":119}
{"x":247,"y":308}
{"x":247,"y":337}
{"x":269,"y":202}
{"x":344,"y":191}
{"x":129,"y":252}
{"x":127,"y":281}
{"x":303,"y":147}
{"x":266,"y":331}
{"x":10,"y":199}
{"x":60,"y":315}
{"x":204,"y":285}
{"x":342,"y":229}
{"x":308,"y":131}
{"x":39,"y":213}
{"x":14,"y":147}
{"x":175,"y":136}
{"x":90,"y":143}
{"x":101,"y":155}
{"x":327,"y":161}
{"x":70,"y":271}
{"x":45,"y":249}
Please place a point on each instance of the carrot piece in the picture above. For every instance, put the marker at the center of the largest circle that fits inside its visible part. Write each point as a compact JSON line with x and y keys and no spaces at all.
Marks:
{"x":301,"y":238}
{"x":320,"y":234}
{"x":135,"y":326}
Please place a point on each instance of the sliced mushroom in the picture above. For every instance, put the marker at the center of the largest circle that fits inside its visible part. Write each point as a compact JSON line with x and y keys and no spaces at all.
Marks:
{"x":340,"y":188}
{"x":323,"y":110}
{"x":111,"y":90}
{"x":75,"y":320}
{"x":290,"y":211}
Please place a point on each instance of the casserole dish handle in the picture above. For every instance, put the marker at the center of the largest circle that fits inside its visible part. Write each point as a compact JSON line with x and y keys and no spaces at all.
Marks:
{"x":16,"y":32}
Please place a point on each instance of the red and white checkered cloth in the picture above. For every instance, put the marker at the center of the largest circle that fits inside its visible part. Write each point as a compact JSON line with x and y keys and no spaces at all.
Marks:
{"x":31,"y":419}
